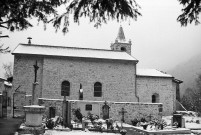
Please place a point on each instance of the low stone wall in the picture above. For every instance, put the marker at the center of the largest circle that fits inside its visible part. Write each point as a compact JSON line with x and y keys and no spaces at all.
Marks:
{"x":132,"y":109}
{"x":178,"y":131}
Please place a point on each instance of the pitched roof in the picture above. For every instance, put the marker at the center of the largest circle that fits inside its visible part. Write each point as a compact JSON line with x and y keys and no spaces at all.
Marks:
{"x":152,"y":73}
{"x":47,"y":50}
{"x":120,"y":35}
{"x":2,"y":79}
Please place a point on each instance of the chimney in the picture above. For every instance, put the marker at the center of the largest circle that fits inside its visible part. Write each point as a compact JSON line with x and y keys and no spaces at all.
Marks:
{"x":29,"y":40}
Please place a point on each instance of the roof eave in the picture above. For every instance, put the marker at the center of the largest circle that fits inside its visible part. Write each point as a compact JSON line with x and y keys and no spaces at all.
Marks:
{"x":155,"y":76}
{"x":177,"y":81}
{"x":136,"y":61}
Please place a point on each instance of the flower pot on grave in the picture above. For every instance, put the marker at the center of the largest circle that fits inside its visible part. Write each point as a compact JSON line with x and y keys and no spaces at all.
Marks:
{"x":144,"y":126}
{"x":161,"y":127}
{"x":123,"y":132}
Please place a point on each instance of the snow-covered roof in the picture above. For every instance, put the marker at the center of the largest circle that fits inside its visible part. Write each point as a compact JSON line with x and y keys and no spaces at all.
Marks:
{"x":121,"y":37}
{"x":152,"y":73}
{"x":7,"y":83}
{"x":1,"y":78}
{"x":48,"y":50}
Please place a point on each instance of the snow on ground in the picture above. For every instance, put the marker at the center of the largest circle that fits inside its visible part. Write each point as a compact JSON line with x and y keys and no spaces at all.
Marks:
{"x":190,"y":121}
{"x":76,"y":132}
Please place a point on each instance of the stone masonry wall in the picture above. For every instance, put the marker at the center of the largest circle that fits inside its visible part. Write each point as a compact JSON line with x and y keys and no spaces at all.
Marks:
{"x":147,"y":86}
{"x":133,"y":109}
{"x":23,"y":72}
{"x":117,"y":78}
{"x":118,"y":45}
{"x":174,"y":95}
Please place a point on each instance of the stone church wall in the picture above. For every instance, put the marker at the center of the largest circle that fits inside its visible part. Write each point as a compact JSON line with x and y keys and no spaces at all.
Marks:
{"x":147,"y":86}
{"x":23,"y":75}
{"x":117,"y":78}
{"x":174,"y":85}
{"x":133,"y":109}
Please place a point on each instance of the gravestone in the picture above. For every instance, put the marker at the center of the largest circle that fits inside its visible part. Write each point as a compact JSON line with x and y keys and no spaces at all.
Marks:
{"x":52,"y":112}
{"x":179,"y":119}
{"x":122,"y":112}
{"x":66,"y":113}
{"x":105,"y":110}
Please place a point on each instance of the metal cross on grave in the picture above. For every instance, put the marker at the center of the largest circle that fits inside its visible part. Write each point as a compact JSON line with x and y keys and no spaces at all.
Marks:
{"x":35,"y":71}
{"x":150,"y":116}
{"x":122,"y":112}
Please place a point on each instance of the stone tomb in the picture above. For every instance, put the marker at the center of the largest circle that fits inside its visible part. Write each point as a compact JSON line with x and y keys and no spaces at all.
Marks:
{"x":33,"y":124}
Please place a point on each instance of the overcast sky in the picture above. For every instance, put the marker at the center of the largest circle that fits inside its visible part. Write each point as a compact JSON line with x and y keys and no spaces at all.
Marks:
{"x":158,"y":40}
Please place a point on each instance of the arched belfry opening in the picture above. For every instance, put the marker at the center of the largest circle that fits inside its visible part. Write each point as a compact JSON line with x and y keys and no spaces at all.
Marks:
{"x":123,"y":49}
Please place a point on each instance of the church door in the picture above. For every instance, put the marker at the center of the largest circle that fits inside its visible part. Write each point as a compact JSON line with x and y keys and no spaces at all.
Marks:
{"x":105,"y":109}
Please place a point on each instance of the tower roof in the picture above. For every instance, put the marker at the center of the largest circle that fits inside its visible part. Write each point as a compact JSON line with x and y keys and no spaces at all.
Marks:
{"x":121,"y":36}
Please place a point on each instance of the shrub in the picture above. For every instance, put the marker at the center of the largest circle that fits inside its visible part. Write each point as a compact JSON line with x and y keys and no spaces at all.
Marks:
{"x":50,"y":124}
{"x":197,"y":121}
{"x":92,"y":117}
{"x":134,"y":122}
{"x":109,"y":123}
{"x":160,"y":123}
{"x":78,"y":114}
{"x":143,"y":120}
{"x":123,"y":131}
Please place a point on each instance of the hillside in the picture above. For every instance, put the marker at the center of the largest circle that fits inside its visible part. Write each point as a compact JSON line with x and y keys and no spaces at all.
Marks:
{"x":187,"y":72}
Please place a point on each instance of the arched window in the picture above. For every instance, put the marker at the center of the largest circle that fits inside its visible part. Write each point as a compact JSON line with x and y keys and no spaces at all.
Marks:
{"x":155,"y":98}
{"x":65,"y":88}
{"x":80,"y":93}
{"x":123,"y":49}
{"x":97,"y":89}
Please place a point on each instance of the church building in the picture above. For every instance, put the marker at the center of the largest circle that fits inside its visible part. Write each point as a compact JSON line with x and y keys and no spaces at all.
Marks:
{"x":90,"y":78}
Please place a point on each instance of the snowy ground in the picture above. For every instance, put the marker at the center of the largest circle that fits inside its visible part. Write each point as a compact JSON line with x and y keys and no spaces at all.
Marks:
{"x":191,"y":122}
{"x":74,"y":132}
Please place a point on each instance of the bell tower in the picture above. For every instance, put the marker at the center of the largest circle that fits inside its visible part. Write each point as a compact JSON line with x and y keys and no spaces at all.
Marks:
{"x":120,"y":43}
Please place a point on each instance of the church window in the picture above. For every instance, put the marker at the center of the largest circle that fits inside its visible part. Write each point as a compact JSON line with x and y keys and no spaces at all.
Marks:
{"x":97,"y":89}
{"x":88,"y":107}
{"x":123,"y":49}
{"x":155,"y":98}
{"x":81,"y":93}
{"x":65,"y":88}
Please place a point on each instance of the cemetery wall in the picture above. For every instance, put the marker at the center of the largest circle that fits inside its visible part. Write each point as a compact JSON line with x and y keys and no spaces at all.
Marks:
{"x":147,"y":86}
{"x":133,"y":109}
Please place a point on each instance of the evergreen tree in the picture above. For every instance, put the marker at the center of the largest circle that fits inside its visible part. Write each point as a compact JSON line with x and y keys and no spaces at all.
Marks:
{"x":192,"y":97}
{"x":190,"y":13}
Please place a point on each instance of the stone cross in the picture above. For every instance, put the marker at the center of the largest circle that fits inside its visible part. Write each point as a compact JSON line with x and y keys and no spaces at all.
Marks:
{"x":122,"y":112}
{"x":35,"y":71}
{"x":150,"y":116}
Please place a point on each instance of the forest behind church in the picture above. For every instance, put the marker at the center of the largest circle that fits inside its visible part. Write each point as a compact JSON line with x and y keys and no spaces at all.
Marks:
{"x":187,"y":71}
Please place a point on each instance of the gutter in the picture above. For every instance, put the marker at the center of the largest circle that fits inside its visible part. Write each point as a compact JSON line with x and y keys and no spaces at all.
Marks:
{"x":136,"y":95}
